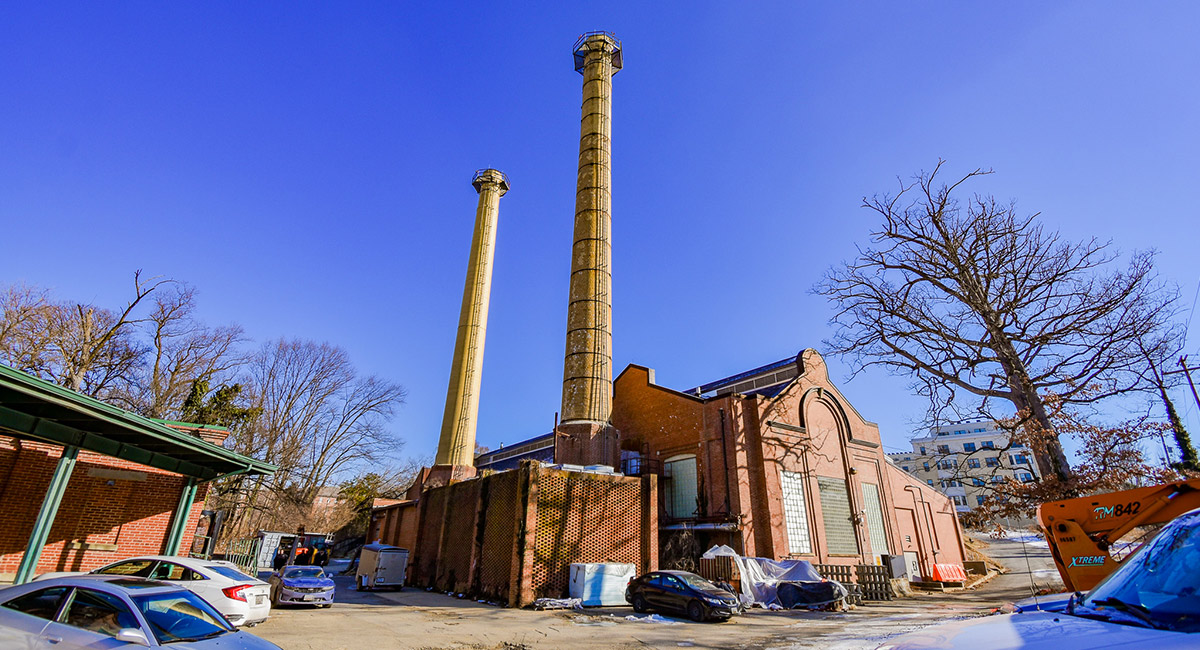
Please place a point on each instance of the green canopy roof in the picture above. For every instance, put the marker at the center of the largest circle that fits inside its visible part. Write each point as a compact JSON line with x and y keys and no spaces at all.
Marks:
{"x":33,"y":409}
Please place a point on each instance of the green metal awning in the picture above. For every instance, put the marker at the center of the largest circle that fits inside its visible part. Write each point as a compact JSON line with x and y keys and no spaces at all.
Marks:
{"x":33,"y":409}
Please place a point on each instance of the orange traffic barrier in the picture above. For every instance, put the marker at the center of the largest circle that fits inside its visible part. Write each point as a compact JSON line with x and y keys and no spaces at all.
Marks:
{"x":949,"y":573}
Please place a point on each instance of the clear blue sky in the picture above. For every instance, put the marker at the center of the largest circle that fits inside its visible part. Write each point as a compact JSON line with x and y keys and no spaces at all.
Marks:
{"x":307,"y":166}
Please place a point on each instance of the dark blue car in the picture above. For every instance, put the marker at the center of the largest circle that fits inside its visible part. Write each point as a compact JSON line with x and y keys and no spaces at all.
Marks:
{"x":682,"y":592}
{"x":301,"y":584}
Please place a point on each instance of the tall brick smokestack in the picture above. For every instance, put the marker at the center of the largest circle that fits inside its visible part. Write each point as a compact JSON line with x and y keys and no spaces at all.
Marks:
{"x":587,"y":369}
{"x":456,"y":447}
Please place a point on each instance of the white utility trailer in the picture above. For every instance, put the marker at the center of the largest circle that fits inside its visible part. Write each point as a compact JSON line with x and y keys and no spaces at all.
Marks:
{"x":381,"y":565}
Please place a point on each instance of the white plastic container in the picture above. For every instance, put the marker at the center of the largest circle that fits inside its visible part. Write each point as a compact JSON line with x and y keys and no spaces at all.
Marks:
{"x":601,"y":584}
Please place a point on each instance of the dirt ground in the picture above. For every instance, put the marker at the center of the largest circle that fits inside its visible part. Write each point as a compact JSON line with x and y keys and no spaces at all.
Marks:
{"x":412,"y":619}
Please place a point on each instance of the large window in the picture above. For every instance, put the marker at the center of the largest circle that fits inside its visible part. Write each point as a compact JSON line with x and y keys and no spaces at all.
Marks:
{"x":835,"y":513}
{"x":795,"y":513}
{"x":681,"y":497}
{"x":873,"y":508}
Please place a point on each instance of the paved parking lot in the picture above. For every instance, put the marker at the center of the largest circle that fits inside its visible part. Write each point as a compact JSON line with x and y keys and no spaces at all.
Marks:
{"x":413,"y":619}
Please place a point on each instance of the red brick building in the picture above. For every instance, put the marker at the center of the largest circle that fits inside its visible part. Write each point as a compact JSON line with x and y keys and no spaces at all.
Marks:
{"x":776,"y":463}
{"x":84,"y":483}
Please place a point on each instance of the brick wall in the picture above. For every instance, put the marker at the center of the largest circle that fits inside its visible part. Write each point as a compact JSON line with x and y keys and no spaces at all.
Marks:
{"x":112,"y":509}
{"x":743,"y":443}
{"x":510,"y":537}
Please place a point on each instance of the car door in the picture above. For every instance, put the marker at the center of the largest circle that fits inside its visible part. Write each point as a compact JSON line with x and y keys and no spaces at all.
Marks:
{"x":23,"y":618}
{"x":674,"y":596}
{"x":654,"y":590}
{"x":90,"y":619}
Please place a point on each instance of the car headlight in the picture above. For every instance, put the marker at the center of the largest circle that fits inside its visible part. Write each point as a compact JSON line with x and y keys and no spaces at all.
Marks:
{"x":715,"y":601}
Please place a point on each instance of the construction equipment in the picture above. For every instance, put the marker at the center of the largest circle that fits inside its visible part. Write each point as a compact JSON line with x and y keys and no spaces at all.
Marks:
{"x":1081,"y":531}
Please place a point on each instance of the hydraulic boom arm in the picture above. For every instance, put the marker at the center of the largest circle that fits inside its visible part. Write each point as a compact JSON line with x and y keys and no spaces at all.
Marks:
{"x":1081,"y":531}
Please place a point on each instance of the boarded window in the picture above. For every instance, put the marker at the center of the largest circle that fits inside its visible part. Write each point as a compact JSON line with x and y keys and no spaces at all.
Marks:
{"x":795,"y":513}
{"x":835,"y":511}
{"x":874,"y":512}
{"x":681,"y":498}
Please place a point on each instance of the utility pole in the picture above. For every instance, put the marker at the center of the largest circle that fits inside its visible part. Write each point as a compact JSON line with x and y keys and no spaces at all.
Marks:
{"x":1183,"y":367}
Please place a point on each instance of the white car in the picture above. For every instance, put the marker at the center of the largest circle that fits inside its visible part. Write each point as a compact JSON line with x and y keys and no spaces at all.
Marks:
{"x":242,"y":599}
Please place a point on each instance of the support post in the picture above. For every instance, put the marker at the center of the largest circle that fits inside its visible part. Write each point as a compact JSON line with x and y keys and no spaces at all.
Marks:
{"x":45,"y":517}
{"x":180,"y":519}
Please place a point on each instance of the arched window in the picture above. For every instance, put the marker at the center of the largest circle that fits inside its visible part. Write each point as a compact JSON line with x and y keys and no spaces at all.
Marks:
{"x":680,"y":472}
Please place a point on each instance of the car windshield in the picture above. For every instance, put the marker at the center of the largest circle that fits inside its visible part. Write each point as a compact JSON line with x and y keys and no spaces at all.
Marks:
{"x":181,"y":616}
{"x":696,"y":582}
{"x":304,"y":572}
{"x":1160,"y":584}
{"x":229,"y":572}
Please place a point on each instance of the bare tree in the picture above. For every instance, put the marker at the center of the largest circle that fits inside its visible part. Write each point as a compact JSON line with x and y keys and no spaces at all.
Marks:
{"x":92,"y":349}
{"x":24,"y":328}
{"x":318,"y":419}
{"x":181,"y":351}
{"x":973,"y":300}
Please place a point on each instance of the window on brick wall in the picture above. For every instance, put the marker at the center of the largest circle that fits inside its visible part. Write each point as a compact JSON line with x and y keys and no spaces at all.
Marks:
{"x":681,"y":473}
{"x":795,"y":513}
{"x":835,"y":513}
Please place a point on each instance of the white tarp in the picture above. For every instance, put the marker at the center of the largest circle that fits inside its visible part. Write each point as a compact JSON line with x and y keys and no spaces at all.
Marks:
{"x":761,"y":576}
{"x":600,"y":584}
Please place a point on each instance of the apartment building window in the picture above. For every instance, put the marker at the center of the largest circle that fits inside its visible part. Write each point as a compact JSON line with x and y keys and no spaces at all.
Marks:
{"x":1017,"y":445}
{"x":989,"y":444}
{"x":992,"y":462}
{"x":948,"y":464}
{"x":922,"y":451}
{"x":959,"y":501}
{"x":1020,"y":459}
{"x":980,"y":430}
{"x":795,"y":513}
{"x":968,"y":446}
{"x":926,"y":466}
{"x":943,"y":449}
{"x":973,"y":463}
{"x":929,"y":481}
{"x":952,"y":483}
{"x":905,"y":468}
{"x":997,"y":479}
{"x":980,"y":499}
{"x":977,"y":482}
{"x":1025,"y":476}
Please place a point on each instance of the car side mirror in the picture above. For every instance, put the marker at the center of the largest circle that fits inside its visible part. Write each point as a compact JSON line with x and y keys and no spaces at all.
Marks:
{"x":133,"y":635}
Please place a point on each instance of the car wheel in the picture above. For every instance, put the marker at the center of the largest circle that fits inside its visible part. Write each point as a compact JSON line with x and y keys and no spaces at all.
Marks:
{"x":639,"y":603}
{"x":696,"y":611}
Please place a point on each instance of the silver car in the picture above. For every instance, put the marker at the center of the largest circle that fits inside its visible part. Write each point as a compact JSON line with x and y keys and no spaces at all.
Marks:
{"x":101,"y":612}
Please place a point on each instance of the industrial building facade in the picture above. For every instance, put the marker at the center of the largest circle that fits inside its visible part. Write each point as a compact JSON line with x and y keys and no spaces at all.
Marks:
{"x":776,"y":463}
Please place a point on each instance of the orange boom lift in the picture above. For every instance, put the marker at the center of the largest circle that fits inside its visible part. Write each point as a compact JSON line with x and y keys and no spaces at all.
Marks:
{"x":1081,"y":531}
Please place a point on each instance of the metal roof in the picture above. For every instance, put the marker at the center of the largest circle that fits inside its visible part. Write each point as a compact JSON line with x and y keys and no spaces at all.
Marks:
{"x":33,"y":409}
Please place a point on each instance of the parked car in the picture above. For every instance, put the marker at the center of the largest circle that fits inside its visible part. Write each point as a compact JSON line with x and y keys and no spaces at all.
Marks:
{"x":1152,"y":600}
{"x":680,"y":591}
{"x":111,"y":611}
{"x":301,"y":584}
{"x":242,"y":599}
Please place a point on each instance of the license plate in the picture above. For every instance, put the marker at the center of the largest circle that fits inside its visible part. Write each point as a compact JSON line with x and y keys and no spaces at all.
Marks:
{"x":310,"y":597}
{"x":258,"y":600}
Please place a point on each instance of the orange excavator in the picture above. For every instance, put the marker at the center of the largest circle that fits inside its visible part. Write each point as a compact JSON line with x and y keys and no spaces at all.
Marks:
{"x":1081,"y":531}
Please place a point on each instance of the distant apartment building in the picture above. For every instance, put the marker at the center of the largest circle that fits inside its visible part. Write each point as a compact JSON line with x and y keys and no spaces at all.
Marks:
{"x":965,"y":460}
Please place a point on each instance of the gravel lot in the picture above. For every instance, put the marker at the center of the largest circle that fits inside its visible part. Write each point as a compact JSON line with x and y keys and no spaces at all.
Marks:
{"x":412,"y":619}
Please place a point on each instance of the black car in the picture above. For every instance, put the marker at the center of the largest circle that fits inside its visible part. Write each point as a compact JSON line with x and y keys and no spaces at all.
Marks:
{"x":680,"y":591}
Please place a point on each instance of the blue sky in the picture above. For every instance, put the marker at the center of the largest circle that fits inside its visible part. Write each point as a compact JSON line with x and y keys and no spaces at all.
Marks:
{"x":307,"y":166}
